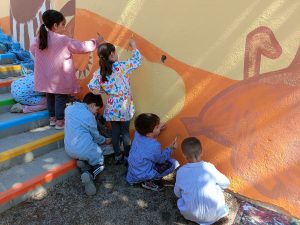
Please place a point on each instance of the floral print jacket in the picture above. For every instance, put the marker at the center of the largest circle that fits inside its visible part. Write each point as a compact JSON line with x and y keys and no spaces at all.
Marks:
{"x":119,"y":105}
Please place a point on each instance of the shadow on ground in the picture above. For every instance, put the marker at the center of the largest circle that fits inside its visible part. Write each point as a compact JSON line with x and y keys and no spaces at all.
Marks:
{"x":115,"y":203}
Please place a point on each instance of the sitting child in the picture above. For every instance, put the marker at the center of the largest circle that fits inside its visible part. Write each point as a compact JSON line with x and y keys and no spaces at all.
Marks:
{"x":147,"y":162}
{"x":82,"y":139}
{"x":28,"y":100}
{"x":199,"y":186}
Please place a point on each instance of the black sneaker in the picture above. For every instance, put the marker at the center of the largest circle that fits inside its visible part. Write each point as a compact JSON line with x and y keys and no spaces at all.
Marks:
{"x":151,"y":185}
{"x":96,"y":170}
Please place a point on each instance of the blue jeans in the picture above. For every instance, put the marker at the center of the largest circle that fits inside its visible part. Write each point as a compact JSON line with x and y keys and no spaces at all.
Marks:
{"x":56,"y":105}
{"x":120,"y":128}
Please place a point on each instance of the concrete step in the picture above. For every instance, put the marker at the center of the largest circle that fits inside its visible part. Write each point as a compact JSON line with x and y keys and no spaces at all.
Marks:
{"x":15,"y":123}
{"x":6,"y":101}
{"x":10,"y":71}
{"x":22,"y":181}
{"x":25,"y":147}
{"x":5,"y":84}
{"x":7,"y":58}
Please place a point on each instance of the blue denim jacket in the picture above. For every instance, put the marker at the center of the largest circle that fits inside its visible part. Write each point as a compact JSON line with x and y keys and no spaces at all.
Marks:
{"x":144,"y":154}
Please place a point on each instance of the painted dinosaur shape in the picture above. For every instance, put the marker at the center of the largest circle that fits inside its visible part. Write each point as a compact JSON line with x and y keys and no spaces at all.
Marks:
{"x":258,"y":119}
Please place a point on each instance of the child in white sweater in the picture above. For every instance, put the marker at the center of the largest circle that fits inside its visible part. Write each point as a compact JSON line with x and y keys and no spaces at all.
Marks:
{"x":199,"y":186}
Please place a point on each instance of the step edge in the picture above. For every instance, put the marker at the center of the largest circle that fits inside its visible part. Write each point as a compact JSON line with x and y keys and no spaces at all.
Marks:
{"x":24,"y":119}
{"x":36,"y":181}
{"x":31,"y":146}
{"x":6,"y":83}
{"x":6,"y":102}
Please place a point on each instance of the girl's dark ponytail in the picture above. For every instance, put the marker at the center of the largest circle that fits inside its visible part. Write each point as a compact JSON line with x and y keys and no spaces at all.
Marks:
{"x":49,"y":17}
{"x":43,"y":37}
{"x":104,"y":51}
{"x":105,"y":68}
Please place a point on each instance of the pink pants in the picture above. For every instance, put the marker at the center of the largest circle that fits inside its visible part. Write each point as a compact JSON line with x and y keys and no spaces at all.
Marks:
{"x":34,"y":108}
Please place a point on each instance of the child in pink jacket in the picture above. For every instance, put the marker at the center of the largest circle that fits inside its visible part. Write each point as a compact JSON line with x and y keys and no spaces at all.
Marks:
{"x":54,"y":71}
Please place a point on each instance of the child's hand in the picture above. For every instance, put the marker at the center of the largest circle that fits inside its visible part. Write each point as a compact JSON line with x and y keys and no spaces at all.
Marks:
{"x":174,"y":144}
{"x":132,"y":43}
{"x":100,"y":39}
{"x":162,"y":126}
{"x":108,"y":141}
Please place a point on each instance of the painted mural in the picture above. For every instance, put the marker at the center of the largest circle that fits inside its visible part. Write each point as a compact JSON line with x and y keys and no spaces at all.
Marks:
{"x":248,"y":118}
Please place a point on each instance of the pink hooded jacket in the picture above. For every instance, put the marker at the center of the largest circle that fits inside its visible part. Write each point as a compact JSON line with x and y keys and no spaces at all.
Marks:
{"x":54,"y":70}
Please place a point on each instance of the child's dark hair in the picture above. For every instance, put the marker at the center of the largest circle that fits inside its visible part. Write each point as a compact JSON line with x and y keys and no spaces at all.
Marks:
{"x":90,"y":98}
{"x":145,"y":123}
{"x":104,"y":51}
{"x":50,"y":17}
{"x":191,"y":146}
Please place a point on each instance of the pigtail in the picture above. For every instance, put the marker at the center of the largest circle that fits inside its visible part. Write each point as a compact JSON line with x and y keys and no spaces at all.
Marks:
{"x":104,"y":52}
{"x":105,"y":68}
{"x":43,"y":37}
{"x":49,"y":17}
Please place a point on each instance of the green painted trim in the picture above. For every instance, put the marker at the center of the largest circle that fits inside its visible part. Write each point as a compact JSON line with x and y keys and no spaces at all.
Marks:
{"x":6,"y":102}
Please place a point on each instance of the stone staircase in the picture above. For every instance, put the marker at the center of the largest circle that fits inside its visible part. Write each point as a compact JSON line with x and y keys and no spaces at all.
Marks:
{"x":32,"y":157}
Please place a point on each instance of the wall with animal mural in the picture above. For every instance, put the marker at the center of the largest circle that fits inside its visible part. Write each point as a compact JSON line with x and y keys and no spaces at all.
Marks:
{"x":224,"y":71}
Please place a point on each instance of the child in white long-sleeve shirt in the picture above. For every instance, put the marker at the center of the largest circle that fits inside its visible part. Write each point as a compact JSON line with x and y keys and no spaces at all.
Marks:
{"x":199,"y":186}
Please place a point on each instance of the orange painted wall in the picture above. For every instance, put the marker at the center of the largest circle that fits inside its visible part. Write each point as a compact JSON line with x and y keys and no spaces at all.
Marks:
{"x":249,"y":128}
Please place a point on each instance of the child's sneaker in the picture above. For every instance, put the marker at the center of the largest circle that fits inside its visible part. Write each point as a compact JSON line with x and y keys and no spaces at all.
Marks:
{"x":52,"y":121}
{"x":60,"y":124}
{"x":16,"y":108}
{"x":97,"y":169}
{"x":89,"y":186}
{"x":151,"y":185}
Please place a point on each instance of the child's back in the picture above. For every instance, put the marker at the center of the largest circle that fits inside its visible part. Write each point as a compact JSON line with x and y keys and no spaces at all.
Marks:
{"x":147,"y":162}
{"x":83,"y":141}
{"x":199,"y":186}
{"x":54,"y":72}
{"x":79,"y":120}
{"x":54,"y":67}
{"x":144,"y":153}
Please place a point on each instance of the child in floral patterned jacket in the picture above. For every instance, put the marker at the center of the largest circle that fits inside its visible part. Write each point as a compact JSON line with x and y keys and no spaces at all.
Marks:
{"x":113,"y":79}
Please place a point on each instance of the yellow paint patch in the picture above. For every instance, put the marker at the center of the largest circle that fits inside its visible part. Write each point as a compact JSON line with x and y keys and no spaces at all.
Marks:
{"x":10,"y":68}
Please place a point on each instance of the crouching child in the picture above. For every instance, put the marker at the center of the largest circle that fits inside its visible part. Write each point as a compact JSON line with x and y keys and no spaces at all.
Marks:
{"x":148,"y":163}
{"x":83,"y":140}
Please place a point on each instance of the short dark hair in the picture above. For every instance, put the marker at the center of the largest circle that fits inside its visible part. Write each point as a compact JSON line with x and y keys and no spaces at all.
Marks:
{"x":91,"y":98}
{"x":145,"y":123}
{"x":191,"y":146}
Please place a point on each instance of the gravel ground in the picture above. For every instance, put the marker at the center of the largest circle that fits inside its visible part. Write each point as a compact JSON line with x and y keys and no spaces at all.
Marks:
{"x":115,"y":203}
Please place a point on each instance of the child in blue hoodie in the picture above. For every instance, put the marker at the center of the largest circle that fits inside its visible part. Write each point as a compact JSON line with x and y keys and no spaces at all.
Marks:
{"x":147,"y":162}
{"x":83,"y":140}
